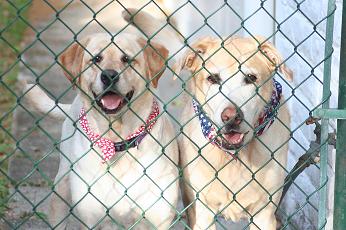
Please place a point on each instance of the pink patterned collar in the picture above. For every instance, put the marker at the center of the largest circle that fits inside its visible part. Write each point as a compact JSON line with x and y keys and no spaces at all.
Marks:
{"x":108,"y":147}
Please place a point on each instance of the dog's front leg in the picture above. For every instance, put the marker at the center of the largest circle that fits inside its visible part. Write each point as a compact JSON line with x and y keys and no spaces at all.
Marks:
{"x":59,"y":206}
{"x":264,"y":220}
{"x":203,"y":217}
{"x":61,"y":198}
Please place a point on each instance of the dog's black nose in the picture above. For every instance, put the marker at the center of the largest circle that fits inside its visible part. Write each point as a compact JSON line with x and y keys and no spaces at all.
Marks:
{"x":109,"y":76}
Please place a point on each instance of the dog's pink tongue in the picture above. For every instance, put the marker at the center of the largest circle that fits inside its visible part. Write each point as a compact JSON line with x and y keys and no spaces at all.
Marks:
{"x":111,"y":101}
{"x":234,"y":138}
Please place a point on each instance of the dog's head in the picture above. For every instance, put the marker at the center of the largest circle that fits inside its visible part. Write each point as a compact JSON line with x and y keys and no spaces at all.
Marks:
{"x":112,"y":72}
{"x":232,"y":80}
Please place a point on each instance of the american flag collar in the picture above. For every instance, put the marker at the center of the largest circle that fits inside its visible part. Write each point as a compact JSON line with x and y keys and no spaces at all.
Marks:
{"x":208,"y":129}
{"x":270,"y":111}
{"x":264,"y":121}
{"x":110,"y":148}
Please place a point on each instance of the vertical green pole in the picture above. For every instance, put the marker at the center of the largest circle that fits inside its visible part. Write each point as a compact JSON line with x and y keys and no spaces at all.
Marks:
{"x":324,"y":124}
{"x":340,"y":161}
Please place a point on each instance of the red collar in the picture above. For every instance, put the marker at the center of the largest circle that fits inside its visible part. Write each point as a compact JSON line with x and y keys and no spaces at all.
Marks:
{"x":108,"y":147}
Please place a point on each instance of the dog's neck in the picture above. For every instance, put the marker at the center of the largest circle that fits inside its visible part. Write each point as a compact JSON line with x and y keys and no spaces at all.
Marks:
{"x":118,"y":128}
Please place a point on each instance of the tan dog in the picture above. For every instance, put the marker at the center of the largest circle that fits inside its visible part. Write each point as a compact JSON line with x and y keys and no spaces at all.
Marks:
{"x":248,"y":185}
{"x":137,"y":187}
{"x":232,"y":87}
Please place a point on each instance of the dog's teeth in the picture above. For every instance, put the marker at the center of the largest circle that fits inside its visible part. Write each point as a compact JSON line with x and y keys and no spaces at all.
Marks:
{"x":235,"y":138}
{"x":240,"y":138}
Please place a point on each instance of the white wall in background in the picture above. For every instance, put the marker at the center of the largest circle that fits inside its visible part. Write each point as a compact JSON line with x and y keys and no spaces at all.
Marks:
{"x":261,"y":22}
{"x":226,"y":20}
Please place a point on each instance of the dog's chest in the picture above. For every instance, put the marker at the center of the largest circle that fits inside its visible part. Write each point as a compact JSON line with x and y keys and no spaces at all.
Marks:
{"x":235,"y":191}
{"x":124,"y":174}
{"x":125,"y":187}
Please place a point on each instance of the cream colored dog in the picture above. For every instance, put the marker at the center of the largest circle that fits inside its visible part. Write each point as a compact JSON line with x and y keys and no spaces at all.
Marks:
{"x":236,"y":129}
{"x":234,"y":92}
{"x":135,"y":188}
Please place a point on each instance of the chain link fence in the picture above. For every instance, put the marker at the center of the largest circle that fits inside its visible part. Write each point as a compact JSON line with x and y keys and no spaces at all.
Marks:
{"x":116,"y":77}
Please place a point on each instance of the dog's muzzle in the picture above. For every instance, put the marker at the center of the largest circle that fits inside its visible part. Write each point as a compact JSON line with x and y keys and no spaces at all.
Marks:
{"x":111,"y":101}
{"x":232,"y":117}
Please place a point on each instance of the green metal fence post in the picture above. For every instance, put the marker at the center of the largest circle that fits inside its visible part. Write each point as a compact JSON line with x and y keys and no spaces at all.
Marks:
{"x":324,"y":124}
{"x":340,"y":161}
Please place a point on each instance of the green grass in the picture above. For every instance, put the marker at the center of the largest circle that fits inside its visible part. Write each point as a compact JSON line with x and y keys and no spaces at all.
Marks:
{"x":11,"y":34}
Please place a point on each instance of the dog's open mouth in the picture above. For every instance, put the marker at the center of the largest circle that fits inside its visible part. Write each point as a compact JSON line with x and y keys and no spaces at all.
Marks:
{"x":111,"y":102}
{"x":233,"y":140}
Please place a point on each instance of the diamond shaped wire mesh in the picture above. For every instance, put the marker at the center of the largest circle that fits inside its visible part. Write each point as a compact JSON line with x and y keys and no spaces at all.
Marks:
{"x":30,"y":143}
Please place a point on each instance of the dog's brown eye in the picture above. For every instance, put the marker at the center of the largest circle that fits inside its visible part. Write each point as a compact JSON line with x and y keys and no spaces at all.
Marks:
{"x":125,"y":59}
{"x":214,"y":78}
{"x":250,"y":78}
{"x":97,"y":59}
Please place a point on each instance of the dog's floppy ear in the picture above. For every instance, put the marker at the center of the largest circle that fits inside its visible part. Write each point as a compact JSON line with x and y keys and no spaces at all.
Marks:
{"x":273,"y":57}
{"x":155,"y":56}
{"x":192,"y":59}
{"x":72,"y":58}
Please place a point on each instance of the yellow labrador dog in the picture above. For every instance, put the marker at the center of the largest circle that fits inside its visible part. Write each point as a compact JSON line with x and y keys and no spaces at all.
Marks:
{"x":236,"y":129}
{"x":235,"y":155}
{"x":108,"y":185}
